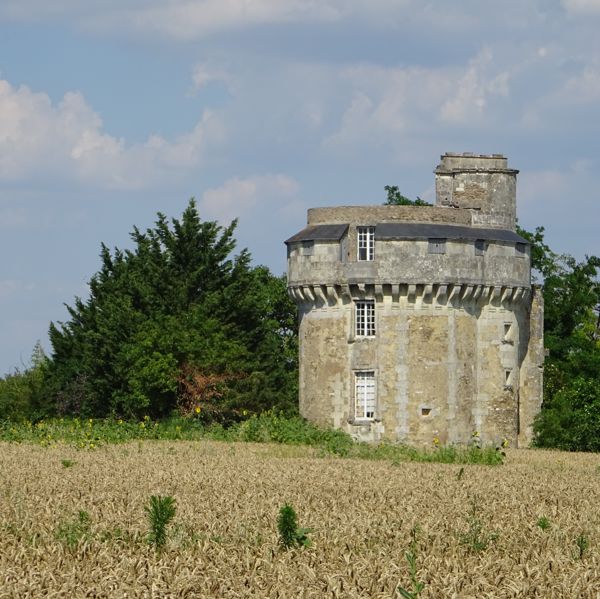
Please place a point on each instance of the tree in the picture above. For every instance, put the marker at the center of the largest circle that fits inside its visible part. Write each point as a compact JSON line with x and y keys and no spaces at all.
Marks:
{"x":177,"y":304}
{"x":22,"y":392}
{"x":395,"y":198}
{"x":570,"y":416}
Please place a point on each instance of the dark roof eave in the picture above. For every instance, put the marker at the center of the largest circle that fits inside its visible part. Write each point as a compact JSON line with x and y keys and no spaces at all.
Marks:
{"x":401,"y":230}
{"x":319,"y":233}
{"x":388,"y":231}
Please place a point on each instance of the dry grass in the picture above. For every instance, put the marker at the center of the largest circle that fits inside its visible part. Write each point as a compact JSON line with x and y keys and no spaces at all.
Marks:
{"x":223,"y":542}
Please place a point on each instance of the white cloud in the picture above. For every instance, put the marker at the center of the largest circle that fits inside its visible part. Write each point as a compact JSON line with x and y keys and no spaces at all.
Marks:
{"x":192,"y":19}
{"x":205,"y":74}
{"x":474,"y":89}
{"x":582,"y":7}
{"x":386,"y":102}
{"x":67,"y":141}
{"x":584,"y":87}
{"x":390,"y":105}
{"x":184,"y":19}
{"x":543,"y":186}
{"x":242,"y":197}
{"x":558,"y":186}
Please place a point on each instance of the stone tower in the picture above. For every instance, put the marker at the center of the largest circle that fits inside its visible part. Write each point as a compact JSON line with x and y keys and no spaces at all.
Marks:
{"x":421,"y":322}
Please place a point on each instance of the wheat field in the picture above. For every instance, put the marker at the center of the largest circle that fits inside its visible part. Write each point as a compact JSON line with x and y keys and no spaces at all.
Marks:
{"x":72,"y":523}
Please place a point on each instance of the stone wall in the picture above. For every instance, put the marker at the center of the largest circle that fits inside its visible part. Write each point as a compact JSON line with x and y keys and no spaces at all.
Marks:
{"x":458,"y":343}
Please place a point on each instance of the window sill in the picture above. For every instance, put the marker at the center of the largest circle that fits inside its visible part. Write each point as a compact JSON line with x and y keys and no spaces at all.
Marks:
{"x":363,"y":421}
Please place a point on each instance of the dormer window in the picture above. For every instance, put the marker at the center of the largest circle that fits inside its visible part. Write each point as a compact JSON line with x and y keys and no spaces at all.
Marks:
{"x":366,"y":243}
{"x":308,"y":248}
{"x":436,"y":246}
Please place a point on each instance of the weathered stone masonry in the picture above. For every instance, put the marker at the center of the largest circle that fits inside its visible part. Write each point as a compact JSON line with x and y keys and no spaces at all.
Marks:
{"x":421,"y":322}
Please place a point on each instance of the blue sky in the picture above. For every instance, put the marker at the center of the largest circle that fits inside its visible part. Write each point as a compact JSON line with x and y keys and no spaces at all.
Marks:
{"x":113,"y":110}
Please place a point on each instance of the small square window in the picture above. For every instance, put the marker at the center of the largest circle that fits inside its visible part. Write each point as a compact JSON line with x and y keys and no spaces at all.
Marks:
{"x":365,"y":318}
{"x":436,"y":246}
{"x":308,"y":248}
{"x":364,"y":395}
{"x":479,"y":247}
{"x":366,"y":243}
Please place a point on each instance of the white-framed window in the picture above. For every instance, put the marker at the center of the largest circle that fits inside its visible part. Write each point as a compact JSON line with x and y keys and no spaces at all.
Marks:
{"x":436,"y":246}
{"x":366,"y":243}
{"x":364,"y":395}
{"x":364,"y":318}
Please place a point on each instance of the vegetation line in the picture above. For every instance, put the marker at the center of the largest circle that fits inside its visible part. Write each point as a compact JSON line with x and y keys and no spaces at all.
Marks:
{"x":268,"y":427}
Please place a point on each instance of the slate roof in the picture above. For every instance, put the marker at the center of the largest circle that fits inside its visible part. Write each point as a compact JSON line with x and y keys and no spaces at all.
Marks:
{"x":398,"y":230}
{"x":435,"y":230}
{"x":320,"y":233}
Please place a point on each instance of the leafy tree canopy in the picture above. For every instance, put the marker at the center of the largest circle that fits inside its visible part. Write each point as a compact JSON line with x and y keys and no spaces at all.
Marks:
{"x":177,"y":308}
{"x":570,"y":416}
{"x":22,"y":392}
{"x":395,"y":198}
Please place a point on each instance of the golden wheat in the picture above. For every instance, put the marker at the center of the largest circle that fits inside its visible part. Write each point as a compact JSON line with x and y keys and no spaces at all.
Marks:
{"x":223,"y":542}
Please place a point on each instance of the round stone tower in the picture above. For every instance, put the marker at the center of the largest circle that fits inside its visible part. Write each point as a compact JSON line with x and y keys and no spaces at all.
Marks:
{"x":419,"y":323}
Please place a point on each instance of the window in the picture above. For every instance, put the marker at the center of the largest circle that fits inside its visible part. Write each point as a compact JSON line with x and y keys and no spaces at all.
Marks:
{"x":520,"y":250}
{"x":479,"y":247}
{"x":308,"y":248}
{"x":366,"y":243}
{"x":365,"y":318}
{"x":364,"y":395}
{"x":437,"y":246}
{"x":508,"y":379}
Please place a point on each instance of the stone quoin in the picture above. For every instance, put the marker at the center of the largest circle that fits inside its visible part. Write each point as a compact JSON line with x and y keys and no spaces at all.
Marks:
{"x":417,"y":323}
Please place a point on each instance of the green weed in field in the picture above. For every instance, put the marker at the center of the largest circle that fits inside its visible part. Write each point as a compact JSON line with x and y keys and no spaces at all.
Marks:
{"x":543,"y":523}
{"x":582,"y":543}
{"x":290,"y":535}
{"x":72,"y":532}
{"x":160,"y":511}
{"x":476,"y":539}
{"x":411,"y":558}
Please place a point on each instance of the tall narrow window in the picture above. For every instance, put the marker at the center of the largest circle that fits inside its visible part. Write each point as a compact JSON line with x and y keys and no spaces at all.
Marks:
{"x":366,"y":243}
{"x":364,"y":395}
{"x":521,"y":250}
{"x":365,"y":318}
{"x":479,"y":247}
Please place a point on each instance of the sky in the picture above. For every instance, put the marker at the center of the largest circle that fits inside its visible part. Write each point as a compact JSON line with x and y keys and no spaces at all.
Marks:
{"x":114,"y":110}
